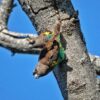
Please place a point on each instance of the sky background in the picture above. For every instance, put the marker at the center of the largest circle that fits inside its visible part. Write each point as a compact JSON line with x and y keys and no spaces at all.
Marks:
{"x":16,"y":80}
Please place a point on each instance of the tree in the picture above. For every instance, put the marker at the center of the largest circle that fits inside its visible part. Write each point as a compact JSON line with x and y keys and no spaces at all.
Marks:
{"x":77,"y":76}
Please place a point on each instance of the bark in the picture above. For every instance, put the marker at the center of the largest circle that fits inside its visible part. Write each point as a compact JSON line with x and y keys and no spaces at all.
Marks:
{"x":5,"y":9}
{"x":18,"y":43}
{"x":76,"y":76}
{"x":96,"y":61}
{"x":15,"y":42}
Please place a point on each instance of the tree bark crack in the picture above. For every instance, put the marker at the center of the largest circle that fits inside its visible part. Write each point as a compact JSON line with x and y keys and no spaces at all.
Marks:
{"x":76,"y":87}
{"x":44,"y":8}
{"x":75,"y":45}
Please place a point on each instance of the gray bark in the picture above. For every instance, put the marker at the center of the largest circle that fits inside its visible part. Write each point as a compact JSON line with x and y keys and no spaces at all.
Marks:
{"x":18,"y":43}
{"x":96,"y":61}
{"x":5,"y":9}
{"x":76,"y":76}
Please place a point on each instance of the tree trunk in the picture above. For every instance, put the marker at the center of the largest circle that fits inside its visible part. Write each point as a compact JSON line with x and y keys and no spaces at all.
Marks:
{"x":76,"y":75}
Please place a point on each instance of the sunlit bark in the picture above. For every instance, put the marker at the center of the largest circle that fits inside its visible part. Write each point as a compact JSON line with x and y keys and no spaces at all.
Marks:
{"x":76,"y":76}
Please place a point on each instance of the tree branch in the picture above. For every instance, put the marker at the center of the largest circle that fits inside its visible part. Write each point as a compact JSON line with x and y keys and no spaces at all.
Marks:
{"x":5,"y":9}
{"x":7,"y":37}
{"x":96,"y":61}
{"x":81,"y":76}
{"x":19,"y":43}
{"x":19,"y":35}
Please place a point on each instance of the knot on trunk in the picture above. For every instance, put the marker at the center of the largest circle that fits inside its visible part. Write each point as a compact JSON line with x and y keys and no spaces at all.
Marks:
{"x":76,"y":87}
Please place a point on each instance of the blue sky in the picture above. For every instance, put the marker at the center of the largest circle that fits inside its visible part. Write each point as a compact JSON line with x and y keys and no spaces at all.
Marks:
{"x":90,"y":23}
{"x":16,"y":80}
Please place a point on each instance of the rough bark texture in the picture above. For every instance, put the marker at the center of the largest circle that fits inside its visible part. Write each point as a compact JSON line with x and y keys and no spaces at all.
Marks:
{"x":5,"y":9}
{"x":96,"y":61}
{"x":18,"y":43}
{"x":76,"y":76}
{"x":14,"y":41}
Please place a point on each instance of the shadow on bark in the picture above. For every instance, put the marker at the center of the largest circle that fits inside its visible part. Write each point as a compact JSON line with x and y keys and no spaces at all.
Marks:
{"x":61,"y":71}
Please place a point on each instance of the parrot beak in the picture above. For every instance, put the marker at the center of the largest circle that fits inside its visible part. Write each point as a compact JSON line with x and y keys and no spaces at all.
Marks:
{"x":40,"y":70}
